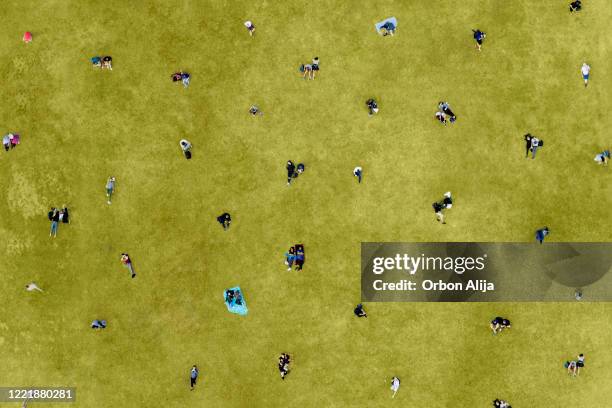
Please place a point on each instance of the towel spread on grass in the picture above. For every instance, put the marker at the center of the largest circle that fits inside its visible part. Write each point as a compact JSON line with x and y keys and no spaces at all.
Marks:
{"x":232,"y":306}
{"x":379,"y":25}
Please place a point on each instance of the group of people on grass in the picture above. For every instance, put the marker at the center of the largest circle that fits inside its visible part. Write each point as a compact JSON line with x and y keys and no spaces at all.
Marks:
{"x":10,"y":141}
{"x":574,"y":366}
{"x":283,"y":364}
{"x":445,"y":113}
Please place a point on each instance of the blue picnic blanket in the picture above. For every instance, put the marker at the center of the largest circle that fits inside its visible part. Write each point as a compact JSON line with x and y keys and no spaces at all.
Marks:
{"x":235,"y":301}
{"x":379,"y":25}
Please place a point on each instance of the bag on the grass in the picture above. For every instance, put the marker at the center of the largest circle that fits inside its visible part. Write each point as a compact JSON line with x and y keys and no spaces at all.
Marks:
{"x":301,"y":68}
{"x":540,"y":143}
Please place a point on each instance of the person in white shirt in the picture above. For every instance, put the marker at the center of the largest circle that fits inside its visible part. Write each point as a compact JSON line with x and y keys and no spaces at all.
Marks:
{"x":358,"y":172}
{"x":30,"y":287}
{"x":586,"y":70}
{"x":395,"y":384}
{"x":250,"y":27}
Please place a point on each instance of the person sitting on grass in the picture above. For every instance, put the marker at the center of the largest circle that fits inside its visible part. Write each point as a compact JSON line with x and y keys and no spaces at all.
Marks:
{"x":300,"y":257}
{"x":254,"y":110}
{"x":96,"y":62}
{"x":283,"y":364}
{"x":290,"y":258}
{"x":499,"y":323}
{"x":541,"y":234}
{"x":98,"y":324}
{"x":575,"y":6}
{"x":225,"y":220}
{"x":372,"y":106}
{"x":603,"y":157}
{"x":185,"y":77}
{"x":387,"y":29}
{"x":441,"y":117}
{"x":107,"y":62}
{"x":497,"y":403}
{"x":186,"y":148}
{"x":359,"y":311}
{"x":572,"y":367}
{"x":579,"y":363}
{"x":177,"y":76}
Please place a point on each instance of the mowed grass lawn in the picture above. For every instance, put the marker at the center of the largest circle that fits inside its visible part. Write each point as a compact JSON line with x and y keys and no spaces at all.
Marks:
{"x":80,"y":125}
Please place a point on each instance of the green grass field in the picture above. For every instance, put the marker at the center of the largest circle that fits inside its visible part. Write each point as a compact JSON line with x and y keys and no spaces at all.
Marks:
{"x":80,"y":125}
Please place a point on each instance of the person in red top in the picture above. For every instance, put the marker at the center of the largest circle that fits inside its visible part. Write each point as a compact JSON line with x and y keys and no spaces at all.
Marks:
{"x":27,"y":37}
{"x":125,"y":259}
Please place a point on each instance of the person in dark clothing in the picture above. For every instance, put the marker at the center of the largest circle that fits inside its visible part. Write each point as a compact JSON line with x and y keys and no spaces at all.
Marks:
{"x":541,"y":234}
{"x":372,"y":106}
{"x":300,"y":257}
{"x":575,"y":6}
{"x":225,"y":220}
{"x":290,"y":172}
{"x":193,"y":376}
{"x":65,"y":217}
{"x":359,"y":311}
{"x":528,"y":138}
{"x":300,"y":168}
{"x":107,"y":62}
{"x":98,"y":324}
{"x":54,"y":217}
{"x":387,"y":29}
{"x":479,"y":37}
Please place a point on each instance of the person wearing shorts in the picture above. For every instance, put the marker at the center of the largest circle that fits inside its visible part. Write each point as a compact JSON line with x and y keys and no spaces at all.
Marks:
{"x":315,"y":66}
{"x":479,"y":37}
{"x":250,"y":27}
{"x":586,"y":71}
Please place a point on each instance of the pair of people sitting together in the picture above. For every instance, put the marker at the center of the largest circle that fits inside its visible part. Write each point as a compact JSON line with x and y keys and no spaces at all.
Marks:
{"x":10,"y":141}
{"x":372,"y":106}
{"x":294,"y":171}
{"x":575,"y":6}
{"x":445,"y":113}
{"x":103,"y":62}
{"x":498,"y":324}
{"x":295,"y":256}
{"x":181,"y":77}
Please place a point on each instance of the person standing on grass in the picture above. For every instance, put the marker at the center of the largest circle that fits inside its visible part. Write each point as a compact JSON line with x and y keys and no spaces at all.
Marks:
{"x":358,"y":172}
{"x":395,"y":385}
{"x":603,"y":157}
{"x":127,"y":262}
{"x":586,"y":71}
{"x":315,"y":67}
{"x":541,"y":234}
{"x":193,"y":376}
{"x":579,"y":363}
{"x":250,"y":27}
{"x":110,"y":189}
{"x":32,"y":286}
{"x":479,"y":37}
